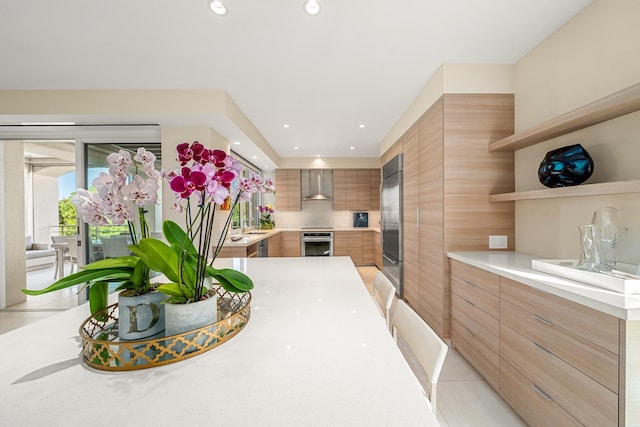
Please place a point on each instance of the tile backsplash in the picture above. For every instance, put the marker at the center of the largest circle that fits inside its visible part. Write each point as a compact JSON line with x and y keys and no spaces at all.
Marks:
{"x":320,"y":213}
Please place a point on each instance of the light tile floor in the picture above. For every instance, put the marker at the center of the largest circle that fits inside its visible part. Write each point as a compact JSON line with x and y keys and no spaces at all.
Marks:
{"x":464,"y":398}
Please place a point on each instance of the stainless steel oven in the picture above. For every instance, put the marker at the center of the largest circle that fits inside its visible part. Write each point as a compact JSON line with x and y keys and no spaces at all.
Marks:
{"x":317,"y":243}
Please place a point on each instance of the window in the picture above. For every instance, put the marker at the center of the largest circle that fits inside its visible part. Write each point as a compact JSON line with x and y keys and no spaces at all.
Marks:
{"x":245,"y":211}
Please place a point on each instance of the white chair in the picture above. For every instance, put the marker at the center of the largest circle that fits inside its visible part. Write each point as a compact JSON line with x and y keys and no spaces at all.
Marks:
{"x":72,"y":256}
{"x":383,"y":292}
{"x":115,"y":246}
{"x":427,"y":347}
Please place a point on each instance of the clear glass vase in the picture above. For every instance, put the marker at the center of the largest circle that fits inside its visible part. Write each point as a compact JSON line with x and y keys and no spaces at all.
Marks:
{"x":608,"y":233}
{"x":589,"y":256}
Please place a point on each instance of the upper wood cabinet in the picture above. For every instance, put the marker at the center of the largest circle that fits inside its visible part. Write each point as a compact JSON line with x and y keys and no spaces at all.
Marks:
{"x":356,"y":189}
{"x":288,"y":190}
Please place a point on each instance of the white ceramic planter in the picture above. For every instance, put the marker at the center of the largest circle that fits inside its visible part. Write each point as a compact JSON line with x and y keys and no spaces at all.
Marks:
{"x":188,"y":317}
{"x":140,"y":316}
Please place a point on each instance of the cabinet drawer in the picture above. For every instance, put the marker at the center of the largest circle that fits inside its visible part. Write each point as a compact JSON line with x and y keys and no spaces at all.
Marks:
{"x":592,"y":325}
{"x":483,"y":279}
{"x":530,"y":401}
{"x":594,"y":361}
{"x":578,"y":394}
{"x":476,"y":321}
{"x":482,"y":299}
{"x":477,"y":353}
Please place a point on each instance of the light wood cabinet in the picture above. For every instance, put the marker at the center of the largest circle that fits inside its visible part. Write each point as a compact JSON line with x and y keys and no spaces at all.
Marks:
{"x":288,"y":190}
{"x":249,"y":251}
{"x":275,"y":245}
{"x":475,"y":317}
{"x":357,"y":244}
{"x":377,"y":248}
{"x":356,"y":189}
{"x":291,"y":244}
{"x":555,"y":361}
{"x":348,"y":243}
{"x":448,"y":174}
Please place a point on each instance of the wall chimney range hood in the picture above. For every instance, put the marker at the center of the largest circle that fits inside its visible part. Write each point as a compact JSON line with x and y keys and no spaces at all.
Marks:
{"x":317,"y":184}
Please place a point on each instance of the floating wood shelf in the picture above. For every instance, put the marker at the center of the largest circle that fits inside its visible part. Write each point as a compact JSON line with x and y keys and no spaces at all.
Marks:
{"x":619,"y":187}
{"x":615,"y":105}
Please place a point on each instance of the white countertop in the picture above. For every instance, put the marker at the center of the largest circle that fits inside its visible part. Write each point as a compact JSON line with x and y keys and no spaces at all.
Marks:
{"x":316,"y":352}
{"x":517,"y":266}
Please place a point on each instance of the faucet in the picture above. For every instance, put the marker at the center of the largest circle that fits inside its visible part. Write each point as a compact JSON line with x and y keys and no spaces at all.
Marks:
{"x":246,"y":223}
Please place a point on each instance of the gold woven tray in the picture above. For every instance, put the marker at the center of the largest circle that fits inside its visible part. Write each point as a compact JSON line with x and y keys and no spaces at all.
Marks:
{"x":102,"y":349}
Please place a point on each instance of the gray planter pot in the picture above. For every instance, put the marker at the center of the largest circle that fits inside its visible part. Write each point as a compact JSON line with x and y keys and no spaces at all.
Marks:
{"x":140,"y":316}
{"x":181,"y":318}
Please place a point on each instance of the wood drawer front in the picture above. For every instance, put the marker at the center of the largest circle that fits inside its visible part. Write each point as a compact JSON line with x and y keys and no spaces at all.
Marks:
{"x":483,"y":279}
{"x":482,"y":299}
{"x":594,"y":361}
{"x":595,"y":326}
{"x":477,"y":353}
{"x":531,"y":404}
{"x":582,"y":397}
{"x":476,"y":321}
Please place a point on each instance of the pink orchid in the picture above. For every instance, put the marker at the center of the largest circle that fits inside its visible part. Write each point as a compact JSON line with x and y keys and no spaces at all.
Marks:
{"x":190,"y":181}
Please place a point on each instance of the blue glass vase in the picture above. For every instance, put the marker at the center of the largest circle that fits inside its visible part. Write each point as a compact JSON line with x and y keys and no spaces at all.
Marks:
{"x":566,"y":166}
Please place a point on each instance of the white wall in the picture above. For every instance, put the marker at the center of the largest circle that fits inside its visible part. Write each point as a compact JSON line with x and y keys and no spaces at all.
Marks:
{"x":593,"y":55}
{"x":12,"y":273}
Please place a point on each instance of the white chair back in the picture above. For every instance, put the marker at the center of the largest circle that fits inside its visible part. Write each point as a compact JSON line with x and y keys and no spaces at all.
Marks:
{"x":383,"y":292}
{"x":427,"y":347}
{"x":115,"y":246}
{"x":72,"y":255}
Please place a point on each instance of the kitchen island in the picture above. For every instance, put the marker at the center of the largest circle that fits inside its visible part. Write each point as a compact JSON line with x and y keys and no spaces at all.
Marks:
{"x":315,"y":352}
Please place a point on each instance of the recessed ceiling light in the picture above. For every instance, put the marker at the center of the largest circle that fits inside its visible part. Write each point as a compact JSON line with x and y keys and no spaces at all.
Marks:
{"x":254,"y":157}
{"x":362,"y":126}
{"x":312,"y":7}
{"x":237,"y":143}
{"x":217,"y":7}
{"x":286,"y":126}
{"x":266,"y":166}
{"x":352,"y":148}
{"x":317,"y":155}
{"x":296,"y":148}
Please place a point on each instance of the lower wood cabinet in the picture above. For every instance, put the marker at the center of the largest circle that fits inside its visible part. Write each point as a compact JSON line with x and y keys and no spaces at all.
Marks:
{"x":291,"y":243}
{"x":249,"y":251}
{"x":357,"y":244}
{"x":555,"y":361}
{"x":275,"y":245}
{"x":377,"y":249}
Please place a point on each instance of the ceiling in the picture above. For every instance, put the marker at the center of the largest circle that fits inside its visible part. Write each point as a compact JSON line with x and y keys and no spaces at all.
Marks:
{"x":357,"y":62}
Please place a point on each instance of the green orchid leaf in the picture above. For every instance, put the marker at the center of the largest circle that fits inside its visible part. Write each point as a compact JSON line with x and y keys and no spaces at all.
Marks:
{"x":81,"y":277}
{"x":175,"y":235}
{"x":98,"y":299}
{"x":140,"y":275}
{"x":237,"y":281}
{"x":159,"y":257}
{"x":119,"y":262}
{"x":176,"y":292}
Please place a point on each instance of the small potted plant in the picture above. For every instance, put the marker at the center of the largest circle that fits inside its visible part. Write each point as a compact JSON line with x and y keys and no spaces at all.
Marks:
{"x":202,"y":185}
{"x":121,"y":196}
{"x":265,"y":219}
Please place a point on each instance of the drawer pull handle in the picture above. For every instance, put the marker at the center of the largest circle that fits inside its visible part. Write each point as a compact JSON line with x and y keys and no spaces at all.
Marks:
{"x":542,"y":349}
{"x":468,"y":332}
{"x":542,"y":393}
{"x":468,"y":302}
{"x":542,"y":319}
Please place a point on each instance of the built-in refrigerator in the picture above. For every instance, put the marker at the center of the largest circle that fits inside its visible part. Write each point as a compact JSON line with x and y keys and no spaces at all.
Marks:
{"x":391,"y":221}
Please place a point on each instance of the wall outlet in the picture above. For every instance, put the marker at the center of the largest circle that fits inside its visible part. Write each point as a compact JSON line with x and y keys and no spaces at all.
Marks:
{"x":498,"y":242}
